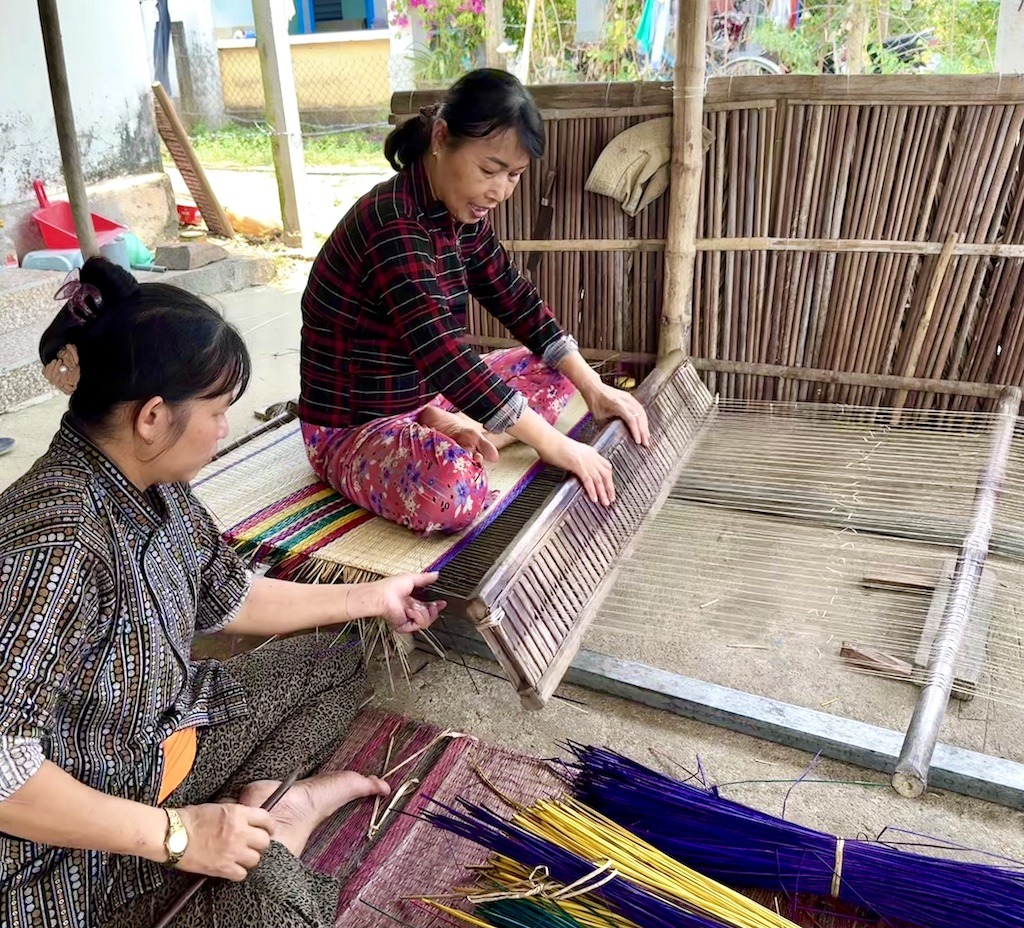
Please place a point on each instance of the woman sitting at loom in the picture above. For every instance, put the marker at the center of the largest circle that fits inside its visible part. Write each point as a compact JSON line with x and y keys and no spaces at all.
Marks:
{"x":125,"y":766}
{"x":397,"y":413}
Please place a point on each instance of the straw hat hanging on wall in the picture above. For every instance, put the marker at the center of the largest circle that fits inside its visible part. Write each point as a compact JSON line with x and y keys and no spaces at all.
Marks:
{"x":633,"y":169}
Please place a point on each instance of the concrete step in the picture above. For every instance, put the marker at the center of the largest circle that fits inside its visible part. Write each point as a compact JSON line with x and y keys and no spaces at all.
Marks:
{"x":21,"y":374}
{"x":27,"y":307}
{"x":26,"y":298}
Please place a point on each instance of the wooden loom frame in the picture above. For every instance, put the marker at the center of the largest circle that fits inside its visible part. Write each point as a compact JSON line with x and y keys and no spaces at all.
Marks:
{"x":975,"y":774}
{"x":914,"y":759}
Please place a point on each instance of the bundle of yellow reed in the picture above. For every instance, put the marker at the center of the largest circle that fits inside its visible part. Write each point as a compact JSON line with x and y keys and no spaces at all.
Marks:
{"x":564,"y":852}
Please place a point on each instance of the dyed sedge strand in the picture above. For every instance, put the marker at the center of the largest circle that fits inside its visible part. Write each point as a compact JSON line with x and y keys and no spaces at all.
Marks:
{"x":579,"y":829}
{"x":486,"y":828}
{"x":744,"y":847}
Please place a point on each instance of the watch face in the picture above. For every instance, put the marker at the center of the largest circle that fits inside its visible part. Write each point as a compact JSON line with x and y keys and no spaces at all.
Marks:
{"x":177,"y":843}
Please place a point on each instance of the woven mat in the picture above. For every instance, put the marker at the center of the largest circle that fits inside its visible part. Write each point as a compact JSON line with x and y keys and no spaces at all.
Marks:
{"x":409,"y":857}
{"x":273,"y":510}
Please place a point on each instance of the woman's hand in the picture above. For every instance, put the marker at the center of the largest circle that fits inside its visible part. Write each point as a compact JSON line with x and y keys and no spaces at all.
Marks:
{"x":593,"y":471}
{"x":225,"y":839}
{"x":606,"y":402}
{"x":63,"y":371}
{"x":397,"y":603}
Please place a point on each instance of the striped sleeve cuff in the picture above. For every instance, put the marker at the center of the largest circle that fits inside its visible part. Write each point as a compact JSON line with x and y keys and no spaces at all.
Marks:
{"x":20,"y":759}
{"x":507,"y":414}
{"x":559,"y":350}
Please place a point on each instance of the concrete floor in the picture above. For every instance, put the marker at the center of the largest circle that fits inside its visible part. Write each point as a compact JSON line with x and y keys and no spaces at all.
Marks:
{"x":466,"y":695}
{"x":329,"y":194}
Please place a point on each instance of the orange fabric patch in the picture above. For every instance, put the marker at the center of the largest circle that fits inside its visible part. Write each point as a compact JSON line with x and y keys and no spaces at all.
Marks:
{"x":179,"y":757}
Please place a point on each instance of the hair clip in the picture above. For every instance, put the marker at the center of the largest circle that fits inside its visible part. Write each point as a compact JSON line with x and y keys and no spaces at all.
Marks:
{"x":82,"y":300}
{"x":428,"y":113}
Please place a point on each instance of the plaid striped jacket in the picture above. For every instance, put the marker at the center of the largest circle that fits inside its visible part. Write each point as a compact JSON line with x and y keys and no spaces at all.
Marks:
{"x":383,"y":313}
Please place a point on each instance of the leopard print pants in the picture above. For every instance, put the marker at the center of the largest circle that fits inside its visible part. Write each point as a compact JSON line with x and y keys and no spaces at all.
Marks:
{"x":303,"y":695}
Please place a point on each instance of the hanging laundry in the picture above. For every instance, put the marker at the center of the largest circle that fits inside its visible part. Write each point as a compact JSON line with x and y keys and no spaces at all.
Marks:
{"x":653,"y":32}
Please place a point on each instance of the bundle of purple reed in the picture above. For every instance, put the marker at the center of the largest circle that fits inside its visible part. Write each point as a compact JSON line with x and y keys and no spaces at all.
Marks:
{"x":491,"y":831}
{"x":742,"y":847}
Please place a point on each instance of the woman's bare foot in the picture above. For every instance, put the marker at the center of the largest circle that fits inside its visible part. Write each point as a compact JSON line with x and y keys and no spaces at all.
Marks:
{"x":309,"y":802}
{"x":465,"y":431}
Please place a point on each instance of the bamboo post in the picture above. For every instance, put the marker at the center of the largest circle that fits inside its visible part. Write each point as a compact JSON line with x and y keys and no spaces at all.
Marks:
{"x":856,"y":38}
{"x":67,"y":136}
{"x":283,"y":115}
{"x":932,"y":299}
{"x":911,"y":776}
{"x":524,"y":57}
{"x":687,"y":163}
{"x":494,"y":16}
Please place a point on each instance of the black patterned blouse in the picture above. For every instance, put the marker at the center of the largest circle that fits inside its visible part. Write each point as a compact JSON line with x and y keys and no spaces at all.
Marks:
{"x":102,"y":589}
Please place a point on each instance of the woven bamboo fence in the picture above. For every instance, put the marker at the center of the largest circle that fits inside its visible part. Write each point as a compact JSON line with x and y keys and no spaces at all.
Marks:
{"x":871,"y":224}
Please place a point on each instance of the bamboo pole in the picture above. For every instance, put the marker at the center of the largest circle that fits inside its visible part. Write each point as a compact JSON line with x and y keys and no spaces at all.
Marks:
{"x":851,"y":378}
{"x":67,"y":136}
{"x":275,"y":56}
{"x":494,"y":17}
{"x":856,"y":40}
{"x":935,"y":288}
{"x":524,"y":58}
{"x":911,"y":776}
{"x":687,"y":160}
{"x":769,"y":243}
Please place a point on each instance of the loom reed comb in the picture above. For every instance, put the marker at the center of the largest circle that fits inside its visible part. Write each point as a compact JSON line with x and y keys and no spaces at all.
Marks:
{"x":533,"y":606}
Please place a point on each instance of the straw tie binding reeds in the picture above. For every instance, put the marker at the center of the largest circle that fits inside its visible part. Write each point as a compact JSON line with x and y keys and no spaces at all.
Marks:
{"x":649,"y":888}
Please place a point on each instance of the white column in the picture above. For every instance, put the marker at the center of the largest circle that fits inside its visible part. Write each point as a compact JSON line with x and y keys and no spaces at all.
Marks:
{"x":1010,"y":38}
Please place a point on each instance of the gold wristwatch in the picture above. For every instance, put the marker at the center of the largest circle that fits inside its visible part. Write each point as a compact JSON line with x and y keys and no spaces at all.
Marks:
{"x":176,"y":841}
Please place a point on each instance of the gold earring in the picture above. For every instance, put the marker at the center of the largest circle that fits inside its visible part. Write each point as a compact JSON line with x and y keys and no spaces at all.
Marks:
{"x":435,"y":152}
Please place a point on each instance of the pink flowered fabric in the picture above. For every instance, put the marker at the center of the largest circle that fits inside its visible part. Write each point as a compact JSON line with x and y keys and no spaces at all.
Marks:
{"x":416,"y":476}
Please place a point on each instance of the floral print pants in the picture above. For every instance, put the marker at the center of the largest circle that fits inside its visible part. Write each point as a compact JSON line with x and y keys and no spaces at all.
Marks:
{"x":417,"y":476}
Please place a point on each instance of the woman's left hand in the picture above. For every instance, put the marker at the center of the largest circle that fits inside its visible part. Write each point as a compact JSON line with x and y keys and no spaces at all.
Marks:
{"x":608,"y":403}
{"x":397,"y":603}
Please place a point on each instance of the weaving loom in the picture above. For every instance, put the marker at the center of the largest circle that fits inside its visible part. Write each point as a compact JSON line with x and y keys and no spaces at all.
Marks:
{"x":531,"y":589}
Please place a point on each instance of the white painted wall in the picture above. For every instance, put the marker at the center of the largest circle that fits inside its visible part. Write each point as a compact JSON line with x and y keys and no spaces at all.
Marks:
{"x":1010,"y":38}
{"x":109,"y":75}
{"x":206,"y":104}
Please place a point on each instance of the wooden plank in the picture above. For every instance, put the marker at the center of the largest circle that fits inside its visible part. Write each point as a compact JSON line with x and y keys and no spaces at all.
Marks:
{"x":187,"y":162}
{"x":795,"y":89}
{"x":876,"y":660}
{"x":969,"y":773}
{"x":901,"y":582}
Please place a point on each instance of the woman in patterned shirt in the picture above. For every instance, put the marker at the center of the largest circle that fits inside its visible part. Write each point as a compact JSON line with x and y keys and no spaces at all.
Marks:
{"x":398,"y":414}
{"x":125,"y":766}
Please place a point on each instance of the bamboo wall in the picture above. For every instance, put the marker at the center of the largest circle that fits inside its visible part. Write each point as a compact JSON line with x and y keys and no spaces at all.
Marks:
{"x":902,"y":193}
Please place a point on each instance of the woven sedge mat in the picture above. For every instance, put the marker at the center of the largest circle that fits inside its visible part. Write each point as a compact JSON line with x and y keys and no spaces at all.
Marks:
{"x":409,"y":857}
{"x":272,"y":508}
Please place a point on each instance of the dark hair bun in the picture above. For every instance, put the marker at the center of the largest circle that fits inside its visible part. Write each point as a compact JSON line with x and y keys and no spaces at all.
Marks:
{"x":114,"y":283}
